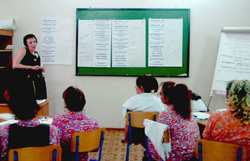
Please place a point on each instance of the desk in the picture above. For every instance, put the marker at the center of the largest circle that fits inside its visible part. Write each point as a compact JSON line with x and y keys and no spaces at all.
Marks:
{"x":2,"y":120}
{"x":202,"y":123}
{"x":44,"y":108}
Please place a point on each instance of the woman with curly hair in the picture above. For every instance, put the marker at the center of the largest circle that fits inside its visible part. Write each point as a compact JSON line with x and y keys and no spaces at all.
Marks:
{"x":233,"y":124}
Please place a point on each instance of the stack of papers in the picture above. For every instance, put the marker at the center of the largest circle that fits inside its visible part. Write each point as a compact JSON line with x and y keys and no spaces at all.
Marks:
{"x":201,"y":115}
{"x":46,"y":121}
{"x":7,"y":116}
{"x":9,"y":122}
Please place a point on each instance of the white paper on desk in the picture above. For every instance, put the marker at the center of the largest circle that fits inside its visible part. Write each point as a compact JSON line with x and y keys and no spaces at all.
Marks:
{"x":46,"y":121}
{"x":222,"y":109}
{"x":7,"y":116}
{"x":40,"y":101}
{"x":201,"y":115}
{"x":9,"y":122}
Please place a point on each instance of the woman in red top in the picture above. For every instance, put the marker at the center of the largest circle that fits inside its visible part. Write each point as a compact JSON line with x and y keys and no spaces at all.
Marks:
{"x":232,"y":125}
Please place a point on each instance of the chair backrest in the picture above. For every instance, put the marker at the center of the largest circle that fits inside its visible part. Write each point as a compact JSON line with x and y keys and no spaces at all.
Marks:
{"x":88,"y":140}
{"x":137,"y":117}
{"x":213,"y":151}
{"x":48,"y":153}
{"x":166,"y":136}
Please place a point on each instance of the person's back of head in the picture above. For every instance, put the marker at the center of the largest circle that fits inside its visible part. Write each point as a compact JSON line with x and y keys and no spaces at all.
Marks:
{"x":74,"y":99}
{"x":238,"y":98}
{"x":180,"y":98}
{"x":21,"y":102}
{"x":148,"y":83}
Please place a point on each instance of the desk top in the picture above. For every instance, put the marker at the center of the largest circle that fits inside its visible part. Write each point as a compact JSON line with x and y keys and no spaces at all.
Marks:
{"x":4,"y":108}
{"x":2,"y":120}
{"x":40,"y":104}
{"x":204,"y":122}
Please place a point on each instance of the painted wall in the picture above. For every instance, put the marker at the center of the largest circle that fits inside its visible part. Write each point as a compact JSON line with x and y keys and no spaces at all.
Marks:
{"x":106,"y":94}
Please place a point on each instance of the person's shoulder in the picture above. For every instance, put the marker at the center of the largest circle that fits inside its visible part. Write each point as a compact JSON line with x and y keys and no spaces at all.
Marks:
{"x":133,"y":99}
{"x":218,"y":116}
{"x":58,"y":117}
{"x":93,"y":119}
{"x":165,"y":112}
{"x":4,"y":127}
{"x":219,"y":113}
{"x":23,"y":49}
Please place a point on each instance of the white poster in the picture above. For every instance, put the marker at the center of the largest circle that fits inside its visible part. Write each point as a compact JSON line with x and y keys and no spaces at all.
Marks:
{"x":128,"y":43}
{"x":56,"y":41}
{"x":165,"y":42}
{"x":94,"y":43}
{"x":85,"y":43}
{"x":102,"y":43}
{"x":234,"y":57}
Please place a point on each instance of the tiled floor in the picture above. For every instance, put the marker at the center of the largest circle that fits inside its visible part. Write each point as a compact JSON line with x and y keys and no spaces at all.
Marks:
{"x":114,"y":150}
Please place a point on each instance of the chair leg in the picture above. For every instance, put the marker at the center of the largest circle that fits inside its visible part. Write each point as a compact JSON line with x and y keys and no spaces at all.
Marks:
{"x":15,"y":156}
{"x":130,"y":140}
{"x":146,"y":140}
{"x":100,"y":148}
{"x":127,"y":154}
{"x":239,"y":154}
{"x":54,"y":154}
{"x":200,"y":151}
{"x":77,"y":148}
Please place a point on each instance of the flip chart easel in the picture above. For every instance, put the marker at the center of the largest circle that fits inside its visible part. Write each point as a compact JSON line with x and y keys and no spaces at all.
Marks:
{"x":233,"y":58}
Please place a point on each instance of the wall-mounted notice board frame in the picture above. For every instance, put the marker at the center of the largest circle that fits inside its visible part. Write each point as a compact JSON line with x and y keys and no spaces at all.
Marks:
{"x":85,"y":18}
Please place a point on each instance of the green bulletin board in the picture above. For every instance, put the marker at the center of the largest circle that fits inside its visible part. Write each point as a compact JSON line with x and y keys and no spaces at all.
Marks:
{"x":133,"y":14}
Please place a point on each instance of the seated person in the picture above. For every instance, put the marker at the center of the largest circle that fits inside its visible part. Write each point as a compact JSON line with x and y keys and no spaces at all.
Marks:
{"x":73,"y":121}
{"x":184,"y":130}
{"x":233,"y":124}
{"x":146,"y":101}
{"x":27,"y":131}
{"x":197,"y":104}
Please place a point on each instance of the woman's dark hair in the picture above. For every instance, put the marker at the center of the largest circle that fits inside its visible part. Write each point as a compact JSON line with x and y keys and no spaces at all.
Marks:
{"x":74,"y":99}
{"x":180,"y":96}
{"x":27,"y":37}
{"x":167,"y":88}
{"x":22,"y":103}
{"x":148,"y":83}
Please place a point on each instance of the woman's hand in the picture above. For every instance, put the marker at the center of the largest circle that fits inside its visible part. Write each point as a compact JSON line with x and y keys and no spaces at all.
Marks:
{"x":36,"y":67}
{"x":42,"y":69}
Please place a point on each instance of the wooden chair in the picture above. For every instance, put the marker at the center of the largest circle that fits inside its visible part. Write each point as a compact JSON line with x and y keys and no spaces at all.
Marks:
{"x":48,"y":153}
{"x":87,"y":141}
{"x":218,"y":151}
{"x":135,"y":119}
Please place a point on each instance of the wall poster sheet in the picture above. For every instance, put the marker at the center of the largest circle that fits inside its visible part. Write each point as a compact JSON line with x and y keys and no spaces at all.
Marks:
{"x":128,"y":43}
{"x":94,"y":43}
{"x":165,"y":42}
{"x":56,"y":48}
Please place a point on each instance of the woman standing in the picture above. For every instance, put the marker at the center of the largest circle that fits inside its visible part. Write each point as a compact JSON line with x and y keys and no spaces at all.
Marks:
{"x":27,"y":65}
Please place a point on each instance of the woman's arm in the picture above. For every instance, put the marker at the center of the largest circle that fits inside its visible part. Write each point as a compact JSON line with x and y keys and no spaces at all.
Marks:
{"x":18,"y":59}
